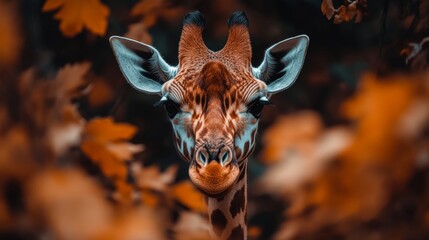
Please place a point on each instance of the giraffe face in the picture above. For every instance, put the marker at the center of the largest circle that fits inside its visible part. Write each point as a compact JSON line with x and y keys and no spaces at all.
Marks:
{"x":213,"y":99}
{"x":214,"y":113}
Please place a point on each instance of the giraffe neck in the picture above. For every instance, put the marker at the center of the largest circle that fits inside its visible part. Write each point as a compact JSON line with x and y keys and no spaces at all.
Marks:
{"x":228,"y":213}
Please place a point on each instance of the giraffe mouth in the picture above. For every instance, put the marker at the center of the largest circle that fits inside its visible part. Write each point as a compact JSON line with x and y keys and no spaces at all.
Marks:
{"x":214,"y":178}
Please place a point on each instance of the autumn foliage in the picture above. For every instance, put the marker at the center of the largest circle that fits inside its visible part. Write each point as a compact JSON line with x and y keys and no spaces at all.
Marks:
{"x":343,"y":154}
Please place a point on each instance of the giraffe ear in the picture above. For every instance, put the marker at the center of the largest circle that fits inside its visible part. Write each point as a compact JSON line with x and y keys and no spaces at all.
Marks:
{"x":141,"y":64}
{"x":282,"y":63}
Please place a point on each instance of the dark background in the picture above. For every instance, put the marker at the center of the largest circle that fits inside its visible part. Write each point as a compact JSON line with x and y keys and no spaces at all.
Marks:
{"x":337,"y":57}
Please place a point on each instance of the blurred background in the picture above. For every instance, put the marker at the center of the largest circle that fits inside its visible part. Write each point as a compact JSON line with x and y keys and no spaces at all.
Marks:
{"x":343,"y":154}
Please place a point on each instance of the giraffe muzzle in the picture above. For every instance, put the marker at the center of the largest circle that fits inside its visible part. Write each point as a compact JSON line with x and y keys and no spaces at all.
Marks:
{"x":214,"y":170}
{"x":222,"y":155}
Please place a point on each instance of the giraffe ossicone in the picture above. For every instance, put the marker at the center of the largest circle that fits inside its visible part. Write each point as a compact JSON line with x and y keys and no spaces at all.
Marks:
{"x":214,"y":101}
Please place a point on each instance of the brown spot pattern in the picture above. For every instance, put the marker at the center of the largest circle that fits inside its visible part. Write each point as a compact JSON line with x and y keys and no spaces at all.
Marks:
{"x":218,"y":220}
{"x":217,"y":81}
{"x":237,"y":153}
{"x":242,"y":174}
{"x":237,"y":233}
{"x":246,"y":148}
{"x":198,"y":99}
{"x":185,"y":150}
{"x":237,"y":203}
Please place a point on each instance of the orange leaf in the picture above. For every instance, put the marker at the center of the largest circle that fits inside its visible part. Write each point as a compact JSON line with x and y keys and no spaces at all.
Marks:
{"x":101,"y":93}
{"x":139,"y":31}
{"x":146,"y":6}
{"x":74,"y":15}
{"x":67,"y":131}
{"x":149,"y":198}
{"x":352,"y":10}
{"x":375,"y":127}
{"x":191,"y":226}
{"x":124,"y":193}
{"x":104,"y":129}
{"x":150,"y":20}
{"x":72,"y":76}
{"x":151,"y":11}
{"x":328,"y":9}
{"x":136,"y":223}
{"x":102,"y":143}
{"x":72,"y":203}
{"x":188,"y":195}
{"x":123,"y":151}
{"x":289,"y":134}
{"x":109,"y":164}
{"x":152,"y":178}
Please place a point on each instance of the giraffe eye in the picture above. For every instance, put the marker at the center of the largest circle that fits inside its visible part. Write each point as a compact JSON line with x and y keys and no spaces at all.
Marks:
{"x":172,"y":108}
{"x":255,"y":108}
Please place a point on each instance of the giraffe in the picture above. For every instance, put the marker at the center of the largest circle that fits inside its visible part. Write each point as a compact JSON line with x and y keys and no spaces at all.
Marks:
{"x":214,"y":100}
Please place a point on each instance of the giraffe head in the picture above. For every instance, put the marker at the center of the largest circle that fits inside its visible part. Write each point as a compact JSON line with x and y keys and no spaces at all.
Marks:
{"x":213,"y":99}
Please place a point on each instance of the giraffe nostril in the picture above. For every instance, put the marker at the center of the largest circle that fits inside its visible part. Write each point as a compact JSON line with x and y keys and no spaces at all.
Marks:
{"x":226,"y":157}
{"x":202,"y":158}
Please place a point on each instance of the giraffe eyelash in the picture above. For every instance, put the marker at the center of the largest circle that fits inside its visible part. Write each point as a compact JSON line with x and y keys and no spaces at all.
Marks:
{"x":263,"y":100}
{"x":162,"y":101}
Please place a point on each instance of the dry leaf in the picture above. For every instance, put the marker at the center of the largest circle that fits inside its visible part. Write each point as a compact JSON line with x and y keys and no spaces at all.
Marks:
{"x":394,"y":97}
{"x":306,"y":159}
{"x":48,"y":100}
{"x":101,"y":93}
{"x":327,"y":9}
{"x":149,"y":198}
{"x":192,"y":226}
{"x":66,"y":127}
{"x":103,"y":143}
{"x":136,"y":223}
{"x":389,"y":118}
{"x":152,"y":178}
{"x":290,"y":134}
{"x":71,"y":77}
{"x":74,"y":15}
{"x":68,"y":130}
{"x":65,"y":130}
{"x":105,"y":130}
{"x":70,"y":203}
{"x":351,"y":10}
{"x":17,"y":159}
{"x":72,"y":206}
{"x":123,"y":151}
{"x":147,"y":6}
{"x":150,"y":11}
{"x":186,"y":193}
{"x":152,"y":183}
{"x":139,"y":31}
